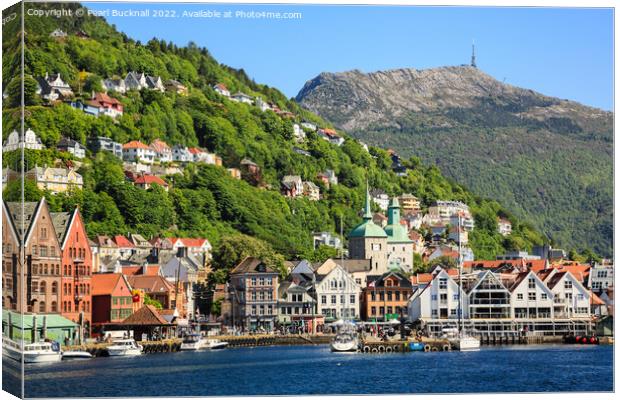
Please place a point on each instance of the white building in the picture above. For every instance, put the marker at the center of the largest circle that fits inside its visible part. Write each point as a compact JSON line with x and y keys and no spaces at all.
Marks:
{"x":73,"y":147}
{"x":601,"y":277}
{"x":242,"y":98}
{"x":380,"y":198}
{"x":531,"y":298}
{"x":181,"y":154}
{"x":163,"y":153}
{"x":298,"y":133}
{"x":438,"y":299}
{"x":326,"y":239}
{"x":114,"y":85}
{"x":31,"y":141}
{"x":138,"y":152}
{"x":221,"y":89}
{"x":504,"y":227}
{"x":309,"y":125}
{"x":338,"y":295}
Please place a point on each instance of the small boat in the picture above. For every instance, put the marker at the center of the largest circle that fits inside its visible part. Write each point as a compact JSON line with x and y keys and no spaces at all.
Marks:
{"x":193,"y":341}
{"x":124,"y":347}
{"x":214,"y":344}
{"x":38,"y":352}
{"x":416,"y":346}
{"x":75,"y":355}
{"x":344,"y":342}
{"x":460,"y":340}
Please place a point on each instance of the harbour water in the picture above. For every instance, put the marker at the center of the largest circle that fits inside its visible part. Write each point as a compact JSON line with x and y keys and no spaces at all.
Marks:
{"x":292,"y":370}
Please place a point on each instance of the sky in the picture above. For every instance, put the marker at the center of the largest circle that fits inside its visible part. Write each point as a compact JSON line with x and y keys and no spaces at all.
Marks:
{"x":560,"y":52}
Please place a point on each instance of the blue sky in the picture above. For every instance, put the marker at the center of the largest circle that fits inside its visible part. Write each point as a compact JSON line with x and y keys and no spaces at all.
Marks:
{"x":562,"y":52}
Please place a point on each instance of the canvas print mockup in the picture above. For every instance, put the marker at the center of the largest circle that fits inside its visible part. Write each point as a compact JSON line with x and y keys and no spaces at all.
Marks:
{"x":204,"y":199}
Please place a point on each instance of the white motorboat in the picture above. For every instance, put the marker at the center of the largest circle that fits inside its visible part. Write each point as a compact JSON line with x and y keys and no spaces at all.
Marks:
{"x":38,"y":352}
{"x":124,"y":347}
{"x":214,"y":344}
{"x":75,"y":355}
{"x":193,"y":341}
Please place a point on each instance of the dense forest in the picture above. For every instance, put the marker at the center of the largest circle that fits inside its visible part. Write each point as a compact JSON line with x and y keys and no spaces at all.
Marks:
{"x":205,"y":200}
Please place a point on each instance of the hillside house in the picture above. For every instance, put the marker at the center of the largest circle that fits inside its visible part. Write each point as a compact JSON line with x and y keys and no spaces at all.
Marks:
{"x":331,"y":136}
{"x":172,"y":85}
{"x":181,"y":154}
{"x":52,"y":87}
{"x":163,"y":152}
{"x":71,"y":146}
{"x":292,"y":186}
{"x":56,"y":180}
{"x":105,"y":105}
{"x":101,"y":143}
{"x":30,"y":141}
{"x":311,"y":191}
{"x":221,"y":89}
{"x":138,"y":152}
{"x":114,"y":85}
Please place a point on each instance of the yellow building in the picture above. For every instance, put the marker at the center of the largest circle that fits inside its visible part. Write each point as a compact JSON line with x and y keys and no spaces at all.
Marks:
{"x":56,"y":180}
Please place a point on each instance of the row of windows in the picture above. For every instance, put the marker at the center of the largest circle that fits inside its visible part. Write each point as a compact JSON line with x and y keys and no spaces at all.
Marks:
{"x":295,"y":310}
{"x":80,"y":270}
{"x":334,"y":298}
{"x":81,"y":288}
{"x":261,"y":281}
{"x":382,"y":310}
{"x":261,"y":310}
{"x":43,"y":251}
{"x":121,"y":300}
{"x":391,"y":295}
{"x":42,"y":307}
{"x":45,"y":269}
{"x":67,"y":306}
{"x":262,"y":295}
{"x":120,"y":314}
{"x":41,"y":287}
{"x":334,"y":312}
{"x":7,"y":247}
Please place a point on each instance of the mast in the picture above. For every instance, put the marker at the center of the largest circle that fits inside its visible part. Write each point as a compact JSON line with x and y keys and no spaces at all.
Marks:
{"x":460,"y":279}
{"x":342,"y":309}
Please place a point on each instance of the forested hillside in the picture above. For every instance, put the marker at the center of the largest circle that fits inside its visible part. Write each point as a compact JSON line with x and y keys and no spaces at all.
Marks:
{"x":205,"y":200}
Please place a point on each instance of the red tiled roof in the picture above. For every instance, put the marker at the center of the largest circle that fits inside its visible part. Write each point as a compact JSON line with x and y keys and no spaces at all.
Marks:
{"x":221,"y":86}
{"x":104,"y":284}
{"x":329,"y":132}
{"x":421,"y":278}
{"x":149,"y":180}
{"x":151,"y":269}
{"x":135,"y":144}
{"x":188,"y":242}
{"x":150,"y":283}
{"x":122,"y":241}
{"x":159,"y":145}
{"x":104,"y":98}
{"x":131,"y":270}
{"x":194,"y":150}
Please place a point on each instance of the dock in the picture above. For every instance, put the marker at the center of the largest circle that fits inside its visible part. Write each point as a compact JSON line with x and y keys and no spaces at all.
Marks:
{"x":403,"y":346}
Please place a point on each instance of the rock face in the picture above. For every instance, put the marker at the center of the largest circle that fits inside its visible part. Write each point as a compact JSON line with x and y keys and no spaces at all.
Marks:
{"x":355,"y":100}
{"x":549,"y":160}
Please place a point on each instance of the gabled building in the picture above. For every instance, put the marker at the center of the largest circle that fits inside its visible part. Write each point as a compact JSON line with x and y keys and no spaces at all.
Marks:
{"x":56,"y":180}
{"x":181,"y":154}
{"x":311,"y":191}
{"x":242,"y":98}
{"x":114,"y":85}
{"x":163,"y":152}
{"x":530,"y":297}
{"x":177,"y":87}
{"x":292,"y":186}
{"x":106,"y":105}
{"x":31,"y":141}
{"x":145,"y":181}
{"x":158,"y":288}
{"x":437,"y":297}
{"x":139,"y":81}
{"x":138,"y":152}
{"x":58,"y":34}
{"x":112,"y":300}
{"x":73,"y":147}
{"x":77,"y":268}
{"x":221,"y":89}
{"x":338,"y":295}
{"x":52,"y":87}
{"x":385,"y":298}
{"x":28,"y":227}
{"x":331,"y":136}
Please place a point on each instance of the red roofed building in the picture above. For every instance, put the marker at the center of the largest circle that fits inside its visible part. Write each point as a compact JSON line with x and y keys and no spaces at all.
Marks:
{"x":221,"y":89}
{"x":137,"y":151}
{"x":145,"y":182}
{"x":112,"y":299}
{"x":124,"y":245}
{"x":163,"y":152}
{"x":107,"y":105}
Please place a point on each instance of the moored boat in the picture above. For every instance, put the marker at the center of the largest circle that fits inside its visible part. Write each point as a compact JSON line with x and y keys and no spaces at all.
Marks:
{"x":38,"y":352}
{"x":193,"y":341}
{"x":124,"y":347}
{"x":75,"y":355}
{"x":214,"y":344}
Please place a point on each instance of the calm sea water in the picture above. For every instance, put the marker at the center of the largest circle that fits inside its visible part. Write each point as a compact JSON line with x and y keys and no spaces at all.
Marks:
{"x":315,"y":370}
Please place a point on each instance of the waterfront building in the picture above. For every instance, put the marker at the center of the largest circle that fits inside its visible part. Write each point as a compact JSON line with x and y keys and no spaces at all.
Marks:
{"x":369,"y":241}
{"x":169,"y":294}
{"x":76,"y":285}
{"x":254,"y":294}
{"x":601,"y":276}
{"x":30,"y":141}
{"x":437,"y":296}
{"x":32,"y":229}
{"x":297,"y":301}
{"x":359,"y":269}
{"x":385,"y":298}
{"x":182,"y":271}
{"x":112,"y":299}
{"x":48,"y":326}
{"x":338,"y":294}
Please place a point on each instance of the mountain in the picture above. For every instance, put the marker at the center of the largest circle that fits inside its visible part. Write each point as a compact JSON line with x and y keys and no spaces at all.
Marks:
{"x":205,"y":200}
{"x":548,"y":160}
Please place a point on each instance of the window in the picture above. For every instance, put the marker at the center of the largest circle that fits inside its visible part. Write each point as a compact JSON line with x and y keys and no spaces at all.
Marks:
{"x":253,"y":295}
{"x":342,"y":299}
{"x":253,"y":281}
{"x":43,"y":287}
{"x":531,"y":283}
{"x":43,"y":251}
{"x":455,"y":296}
{"x":358,"y":281}
{"x":397,"y":296}
{"x":253,"y":310}
{"x":434,"y":313}
{"x":373,"y":310}
{"x":261,"y":309}
{"x":323,"y":299}
{"x":568,"y":284}
{"x":35,"y":287}
{"x":115,"y":301}
{"x":433,"y":297}
{"x":269,"y":310}
{"x":531,"y":296}
{"x":569,"y":296}
{"x":382,"y":310}
{"x":269,"y":281}
{"x":443,"y":283}
{"x":519,"y":296}
{"x":597,"y":285}
{"x":352,"y":299}
{"x":543,"y":296}
{"x":453,"y":312}
{"x":376,"y":247}
{"x":333,"y":299}
{"x":42,"y":307}
{"x":381,"y":296}
{"x":443,"y":298}
{"x":43,"y":233}
{"x":389,"y":310}
{"x":54,"y":287}
{"x":34,"y":250}
{"x":601,"y":274}
{"x":580,"y":296}
{"x":52,"y":251}
{"x":54,"y":307}
{"x":372,"y":296}
{"x":389,"y":295}
{"x":261,"y":281}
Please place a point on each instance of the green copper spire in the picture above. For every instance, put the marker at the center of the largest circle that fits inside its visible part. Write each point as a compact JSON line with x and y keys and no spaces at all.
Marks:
{"x":367,"y":213}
